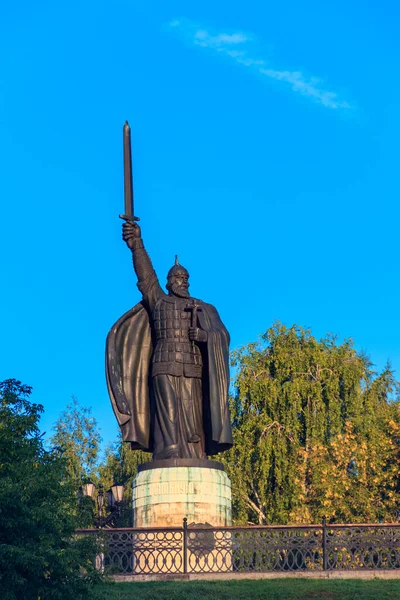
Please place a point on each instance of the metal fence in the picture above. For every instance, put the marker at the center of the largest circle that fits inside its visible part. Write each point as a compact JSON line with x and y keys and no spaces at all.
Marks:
{"x":202,"y":549}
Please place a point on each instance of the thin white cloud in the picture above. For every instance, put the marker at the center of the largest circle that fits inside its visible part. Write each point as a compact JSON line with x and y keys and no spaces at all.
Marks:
{"x":221,"y":40}
{"x":239,"y":47}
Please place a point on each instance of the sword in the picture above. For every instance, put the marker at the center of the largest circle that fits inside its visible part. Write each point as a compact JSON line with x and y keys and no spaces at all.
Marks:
{"x":193,"y":307}
{"x":128,"y":183}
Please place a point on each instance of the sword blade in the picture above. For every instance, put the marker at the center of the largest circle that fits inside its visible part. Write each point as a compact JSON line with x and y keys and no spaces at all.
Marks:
{"x":128,"y":180}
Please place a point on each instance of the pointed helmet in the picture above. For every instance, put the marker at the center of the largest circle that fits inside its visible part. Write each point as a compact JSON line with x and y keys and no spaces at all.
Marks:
{"x":177,"y":269}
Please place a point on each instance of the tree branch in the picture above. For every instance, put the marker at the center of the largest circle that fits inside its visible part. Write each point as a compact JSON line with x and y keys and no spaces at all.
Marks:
{"x":252,"y":505}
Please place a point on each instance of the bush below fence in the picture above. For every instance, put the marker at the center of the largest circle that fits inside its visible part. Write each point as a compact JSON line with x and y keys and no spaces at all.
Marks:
{"x":200,"y":549}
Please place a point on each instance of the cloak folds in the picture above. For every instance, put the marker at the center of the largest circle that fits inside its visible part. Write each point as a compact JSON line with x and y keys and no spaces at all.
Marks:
{"x":128,"y":359}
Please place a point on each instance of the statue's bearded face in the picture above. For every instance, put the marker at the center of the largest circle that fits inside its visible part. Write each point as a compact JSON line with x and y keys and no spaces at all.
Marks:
{"x":178,"y":285}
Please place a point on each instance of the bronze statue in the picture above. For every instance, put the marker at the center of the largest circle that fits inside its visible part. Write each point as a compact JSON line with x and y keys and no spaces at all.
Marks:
{"x":168,"y":363}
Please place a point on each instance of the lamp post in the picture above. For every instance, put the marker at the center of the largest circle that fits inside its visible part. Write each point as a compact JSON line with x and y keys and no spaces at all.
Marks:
{"x":100,"y":501}
{"x":115,"y":499}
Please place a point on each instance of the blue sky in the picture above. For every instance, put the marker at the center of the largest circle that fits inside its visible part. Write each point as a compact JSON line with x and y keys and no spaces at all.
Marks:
{"x":265,"y":143}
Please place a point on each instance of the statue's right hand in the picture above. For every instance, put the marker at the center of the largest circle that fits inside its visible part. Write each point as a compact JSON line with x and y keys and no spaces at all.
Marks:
{"x":130,"y":233}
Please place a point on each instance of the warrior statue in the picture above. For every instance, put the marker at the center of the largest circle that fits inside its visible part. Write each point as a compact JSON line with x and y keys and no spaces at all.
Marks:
{"x":167,"y":359}
{"x":168,"y":366}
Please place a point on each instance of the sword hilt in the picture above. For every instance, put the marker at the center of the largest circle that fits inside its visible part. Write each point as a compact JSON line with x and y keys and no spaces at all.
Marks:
{"x":194,"y":308}
{"x":130,"y":218}
{"x":194,"y":315}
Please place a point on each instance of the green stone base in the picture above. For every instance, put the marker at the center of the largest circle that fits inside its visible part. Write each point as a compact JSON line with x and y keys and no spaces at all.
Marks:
{"x":163,"y":497}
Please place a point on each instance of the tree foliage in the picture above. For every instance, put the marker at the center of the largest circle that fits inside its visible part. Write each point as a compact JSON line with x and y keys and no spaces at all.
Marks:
{"x":77,"y":437}
{"x":120,"y":465}
{"x":316,"y":430}
{"x":39,"y":557}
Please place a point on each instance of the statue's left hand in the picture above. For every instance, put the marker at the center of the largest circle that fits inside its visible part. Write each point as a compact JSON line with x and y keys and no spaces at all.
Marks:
{"x":197,"y":335}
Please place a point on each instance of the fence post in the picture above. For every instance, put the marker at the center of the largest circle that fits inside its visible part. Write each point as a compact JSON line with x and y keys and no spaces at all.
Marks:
{"x":324,"y":554}
{"x":185,"y":527}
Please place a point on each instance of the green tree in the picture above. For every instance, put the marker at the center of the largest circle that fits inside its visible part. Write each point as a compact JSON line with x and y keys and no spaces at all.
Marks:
{"x":120,"y":465}
{"x":316,"y":432}
{"x":76,"y":436}
{"x":39,"y":557}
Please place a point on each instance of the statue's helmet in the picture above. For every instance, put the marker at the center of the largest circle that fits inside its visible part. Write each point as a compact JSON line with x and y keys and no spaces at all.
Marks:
{"x":175,"y":271}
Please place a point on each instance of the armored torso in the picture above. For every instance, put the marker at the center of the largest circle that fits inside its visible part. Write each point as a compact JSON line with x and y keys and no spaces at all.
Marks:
{"x":174,"y":354}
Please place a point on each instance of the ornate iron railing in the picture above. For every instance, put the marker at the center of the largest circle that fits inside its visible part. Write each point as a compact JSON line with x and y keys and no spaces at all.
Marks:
{"x":204,"y":549}
{"x":362,"y":547}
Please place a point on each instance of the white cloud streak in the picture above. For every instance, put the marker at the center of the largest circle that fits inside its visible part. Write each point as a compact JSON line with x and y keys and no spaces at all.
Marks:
{"x":238,"y":46}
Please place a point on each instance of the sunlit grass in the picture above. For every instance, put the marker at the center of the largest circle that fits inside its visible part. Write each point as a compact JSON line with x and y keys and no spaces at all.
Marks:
{"x":265,"y":589}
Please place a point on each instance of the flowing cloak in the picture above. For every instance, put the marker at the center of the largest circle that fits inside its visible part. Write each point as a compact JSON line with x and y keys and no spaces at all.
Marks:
{"x":128,"y":360}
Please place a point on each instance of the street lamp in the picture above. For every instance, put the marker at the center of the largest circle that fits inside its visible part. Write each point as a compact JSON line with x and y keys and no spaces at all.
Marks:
{"x":115,"y":499}
{"x":88,"y":489}
{"x":117,"y":490}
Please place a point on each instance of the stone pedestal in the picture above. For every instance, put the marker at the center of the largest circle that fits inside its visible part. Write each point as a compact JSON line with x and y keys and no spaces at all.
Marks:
{"x":167,"y":491}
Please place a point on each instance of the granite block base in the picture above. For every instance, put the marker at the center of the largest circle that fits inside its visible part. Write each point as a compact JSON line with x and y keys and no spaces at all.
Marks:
{"x":164,"y":495}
